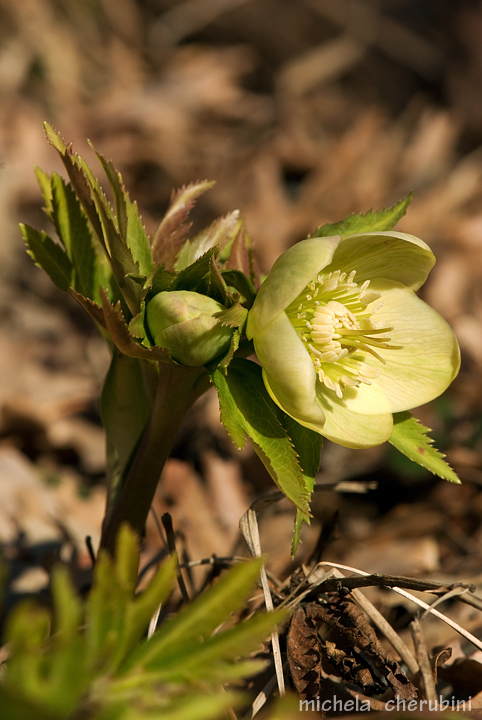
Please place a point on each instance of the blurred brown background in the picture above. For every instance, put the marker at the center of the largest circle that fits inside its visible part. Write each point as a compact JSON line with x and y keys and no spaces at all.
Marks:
{"x":303,"y":111}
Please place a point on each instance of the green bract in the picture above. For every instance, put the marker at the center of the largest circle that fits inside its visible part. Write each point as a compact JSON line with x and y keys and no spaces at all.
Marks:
{"x":342,"y":338}
{"x":184,"y":323}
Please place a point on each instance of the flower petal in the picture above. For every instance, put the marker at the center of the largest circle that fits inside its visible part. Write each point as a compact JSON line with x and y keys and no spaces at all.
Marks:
{"x":351,"y":429}
{"x":363,"y":400}
{"x":288,"y":277}
{"x":392,"y":255}
{"x":430,"y":357}
{"x":288,"y":372}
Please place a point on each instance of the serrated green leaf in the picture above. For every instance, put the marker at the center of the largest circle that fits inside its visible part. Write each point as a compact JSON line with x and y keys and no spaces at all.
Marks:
{"x":172,"y":230}
{"x":372,"y":221}
{"x":81,"y":178}
{"x":158,"y":280}
{"x":140,"y":611}
{"x":214,"y":285}
{"x":117,"y":619}
{"x":67,"y":678}
{"x":67,"y":605}
{"x":27,"y":629}
{"x":233,"y":347}
{"x":234,"y":317}
{"x":137,"y":327}
{"x":101,"y":217}
{"x":242,"y":284}
{"x":49,"y":256}
{"x":410,"y":437}
{"x":118,"y":330}
{"x":218,"y":233}
{"x":200,"y":618}
{"x":91,"y":307}
{"x":231,"y":417}
{"x":126,"y":561}
{"x":68,"y":218}
{"x":247,"y":409}
{"x":105,"y":616}
{"x":199,"y":660}
{"x":43,"y":180}
{"x":192,"y":277}
{"x":308,"y":445}
{"x":74,"y":233}
{"x":239,"y":255}
{"x":129,"y":223}
{"x":204,"y":277}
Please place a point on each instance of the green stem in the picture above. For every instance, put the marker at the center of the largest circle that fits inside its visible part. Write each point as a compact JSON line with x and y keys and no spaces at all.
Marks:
{"x":178,"y":388}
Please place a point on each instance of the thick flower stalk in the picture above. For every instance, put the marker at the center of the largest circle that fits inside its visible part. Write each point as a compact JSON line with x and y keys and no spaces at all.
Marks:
{"x":344,"y":341}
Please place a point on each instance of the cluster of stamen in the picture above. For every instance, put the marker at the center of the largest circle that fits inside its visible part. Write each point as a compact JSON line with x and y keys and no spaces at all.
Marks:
{"x":332,"y":319}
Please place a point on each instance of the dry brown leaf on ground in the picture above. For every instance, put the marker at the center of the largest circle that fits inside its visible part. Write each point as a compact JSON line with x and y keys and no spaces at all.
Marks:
{"x":37,"y":508}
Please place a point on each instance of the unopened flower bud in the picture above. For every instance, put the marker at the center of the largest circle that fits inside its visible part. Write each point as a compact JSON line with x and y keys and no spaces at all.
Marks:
{"x":184,"y":323}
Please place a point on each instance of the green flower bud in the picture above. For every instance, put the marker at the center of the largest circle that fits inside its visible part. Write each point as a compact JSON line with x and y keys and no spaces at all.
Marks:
{"x":184,"y":323}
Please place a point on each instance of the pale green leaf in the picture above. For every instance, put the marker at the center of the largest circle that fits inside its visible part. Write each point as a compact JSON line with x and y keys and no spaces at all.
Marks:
{"x":45,"y":184}
{"x":101,"y":217}
{"x":307,"y":444}
{"x":410,"y":437}
{"x":129,"y":223}
{"x":204,"y":277}
{"x":74,"y":232}
{"x":198,"y":660}
{"x":49,"y":256}
{"x":234,"y":317}
{"x":201,"y":617}
{"x":137,"y":326}
{"x":246,"y":409}
{"x":231,"y":416}
{"x":218,"y":233}
{"x":67,"y":604}
{"x":158,"y":281}
{"x":372,"y":221}
{"x":172,"y":231}
{"x":141,"y":610}
{"x":126,"y":562}
{"x":118,"y":329}
{"x":105,"y":616}
{"x":238,"y":281}
{"x":238,"y":254}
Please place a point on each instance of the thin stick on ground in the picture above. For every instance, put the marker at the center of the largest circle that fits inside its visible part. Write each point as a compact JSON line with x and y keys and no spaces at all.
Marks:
{"x":426,"y":674}
{"x":250,"y":530}
{"x":171,"y":543}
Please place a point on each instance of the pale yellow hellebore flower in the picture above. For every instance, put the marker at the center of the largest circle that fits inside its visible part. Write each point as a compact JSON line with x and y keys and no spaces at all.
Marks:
{"x":344,"y":341}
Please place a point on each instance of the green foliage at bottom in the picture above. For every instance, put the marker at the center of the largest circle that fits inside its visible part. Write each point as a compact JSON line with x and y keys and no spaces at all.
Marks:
{"x":90,"y":660}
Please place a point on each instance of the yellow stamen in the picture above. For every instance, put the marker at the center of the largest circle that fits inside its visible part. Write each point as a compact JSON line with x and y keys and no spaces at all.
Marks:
{"x":338,"y":330}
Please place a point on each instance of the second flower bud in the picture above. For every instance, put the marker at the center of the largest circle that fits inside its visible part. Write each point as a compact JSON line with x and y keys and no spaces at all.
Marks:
{"x":183,"y":322}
